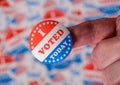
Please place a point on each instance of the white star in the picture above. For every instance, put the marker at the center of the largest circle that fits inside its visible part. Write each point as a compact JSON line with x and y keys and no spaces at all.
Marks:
{"x":69,"y":40}
{"x":43,"y":23}
{"x":45,"y":60}
{"x":68,"y":48}
{"x":51,"y":22}
{"x":31,"y":39}
{"x":33,"y":35}
{"x":61,"y":57}
{"x":34,"y":31}
{"x":53,"y":60}
{"x":47,"y":22}
{"x":57,"y":59}
{"x":66,"y":51}
{"x":68,"y":36}
{"x":55,"y":22}
{"x":69,"y":44}
{"x":37,"y":28}
{"x":49,"y":61}
{"x":31,"y":43}
{"x":64,"y":55}
{"x":40,"y":25}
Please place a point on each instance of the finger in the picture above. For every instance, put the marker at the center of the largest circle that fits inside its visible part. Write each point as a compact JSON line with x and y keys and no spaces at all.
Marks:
{"x":111,"y":74}
{"x":106,"y":52}
{"x":92,"y":32}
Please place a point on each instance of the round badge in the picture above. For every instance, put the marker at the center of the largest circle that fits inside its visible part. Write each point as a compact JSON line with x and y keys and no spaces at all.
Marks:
{"x":50,"y":42}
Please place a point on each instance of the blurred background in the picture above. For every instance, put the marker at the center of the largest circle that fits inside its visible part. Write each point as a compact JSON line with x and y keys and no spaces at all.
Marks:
{"x":17,"y":18}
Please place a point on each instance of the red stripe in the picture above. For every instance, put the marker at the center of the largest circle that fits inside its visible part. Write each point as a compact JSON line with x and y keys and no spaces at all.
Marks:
{"x":45,"y":28}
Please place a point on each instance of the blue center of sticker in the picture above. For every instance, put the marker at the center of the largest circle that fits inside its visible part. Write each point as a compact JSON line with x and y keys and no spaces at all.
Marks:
{"x":50,"y":42}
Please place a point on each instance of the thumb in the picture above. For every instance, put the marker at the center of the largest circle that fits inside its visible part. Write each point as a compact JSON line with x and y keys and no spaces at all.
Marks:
{"x":118,"y":25}
{"x":92,"y":32}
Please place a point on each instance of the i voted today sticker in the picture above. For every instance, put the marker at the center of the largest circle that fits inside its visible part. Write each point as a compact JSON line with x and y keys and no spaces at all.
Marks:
{"x":50,"y":42}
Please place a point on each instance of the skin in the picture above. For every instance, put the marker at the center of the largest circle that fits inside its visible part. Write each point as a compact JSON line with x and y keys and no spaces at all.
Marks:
{"x":104,"y":35}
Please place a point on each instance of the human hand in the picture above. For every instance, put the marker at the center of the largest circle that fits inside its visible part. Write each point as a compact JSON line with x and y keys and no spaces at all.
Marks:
{"x":104,"y":34}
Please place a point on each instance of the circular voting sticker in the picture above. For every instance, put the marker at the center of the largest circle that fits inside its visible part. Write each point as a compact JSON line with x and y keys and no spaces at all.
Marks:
{"x":50,"y":42}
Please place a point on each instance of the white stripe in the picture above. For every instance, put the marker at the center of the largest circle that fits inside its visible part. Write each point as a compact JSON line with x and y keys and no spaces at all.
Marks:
{"x":40,"y":56}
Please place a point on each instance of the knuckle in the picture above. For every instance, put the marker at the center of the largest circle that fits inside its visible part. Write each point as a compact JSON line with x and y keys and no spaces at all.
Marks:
{"x":96,"y":56}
